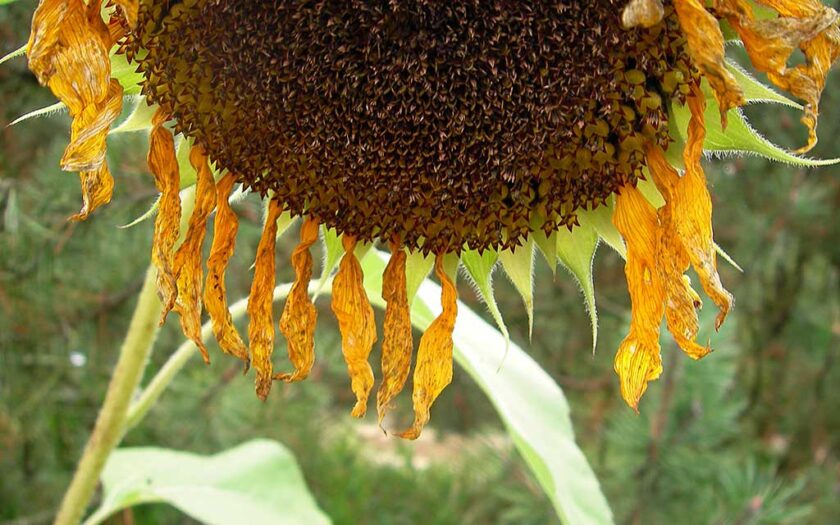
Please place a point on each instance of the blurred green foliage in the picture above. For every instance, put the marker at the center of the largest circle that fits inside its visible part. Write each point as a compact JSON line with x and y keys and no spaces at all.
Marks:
{"x":748,"y":435}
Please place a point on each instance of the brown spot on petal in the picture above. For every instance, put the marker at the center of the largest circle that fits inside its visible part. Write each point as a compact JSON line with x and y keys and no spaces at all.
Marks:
{"x":215,"y":295}
{"x":164,"y":166}
{"x":354,"y":313}
{"x":638,"y":361}
{"x":187,"y":262}
{"x":299,"y":315}
{"x":397,"y":343}
{"x":434,"y":356}
{"x":261,"y":326}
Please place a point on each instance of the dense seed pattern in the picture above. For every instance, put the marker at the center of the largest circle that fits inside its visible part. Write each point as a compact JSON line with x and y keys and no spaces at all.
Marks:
{"x":447,"y":124}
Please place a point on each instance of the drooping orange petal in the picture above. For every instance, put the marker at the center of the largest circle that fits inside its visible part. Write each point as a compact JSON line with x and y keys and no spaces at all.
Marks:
{"x":705,"y":43}
{"x":397,"y":343}
{"x":215,"y":295}
{"x":299,"y":315}
{"x":354,"y":313}
{"x":164,"y":166}
{"x":97,"y":188}
{"x":672,"y":261}
{"x":638,"y":360}
{"x":187,"y":261}
{"x":261,"y":325}
{"x":642,"y":13}
{"x":806,"y":25}
{"x":693,"y":210}
{"x":434,"y":356}
{"x":68,"y":51}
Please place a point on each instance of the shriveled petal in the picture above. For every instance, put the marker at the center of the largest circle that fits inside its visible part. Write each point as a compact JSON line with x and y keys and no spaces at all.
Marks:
{"x":97,"y":188}
{"x":86,"y":150}
{"x":299,"y":315}
{"x":705,"y":43}
{"x":354,"y":313}
{"x":164,"y":166}
{"x":638,"y":360}
{"x":693,"y":210}
{"x":261,"y":325}
{"x":642,"y":13}
{"x":397,"y":343}
{"x":225,"y":227}
{"x":806,"y":25}
{"x":187,"y":261}
{"x":434,"y":356}
{"x":681,"y":301}
{"x":129,"y":9}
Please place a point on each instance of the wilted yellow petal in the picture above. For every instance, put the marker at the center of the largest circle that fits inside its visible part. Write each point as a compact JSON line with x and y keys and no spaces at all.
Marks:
{"x":187,"y":262}
{"x":434,"y":356}
{"x":354,"y":313}
{"x":806,"y":25}
{"x":643,"y":13}
{"x":215,"y":295}
{"x":261,"y":325}
{"x":97,"y":188}
{"x":638,"y":361}
{"x":681,"y":301}
{"x":693,"y":210}
{"x":299,"y":315}
{"x":397,"y":343}
{"x":705,"y":43}
{"x":164,"y":166}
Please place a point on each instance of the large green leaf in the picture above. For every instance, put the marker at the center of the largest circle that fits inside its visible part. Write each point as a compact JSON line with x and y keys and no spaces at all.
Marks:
{"x":529,"y":402}
{"x":256,"y":482}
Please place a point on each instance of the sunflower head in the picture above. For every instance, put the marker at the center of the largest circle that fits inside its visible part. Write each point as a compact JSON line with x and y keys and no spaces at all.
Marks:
{"x":450,"y":129}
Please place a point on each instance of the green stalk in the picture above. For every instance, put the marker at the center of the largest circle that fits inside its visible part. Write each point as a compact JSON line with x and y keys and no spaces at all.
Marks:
{"x":110,"y":424}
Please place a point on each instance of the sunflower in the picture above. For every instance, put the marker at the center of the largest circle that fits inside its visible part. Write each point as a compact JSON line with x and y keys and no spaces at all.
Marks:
{"x":448,"y":130}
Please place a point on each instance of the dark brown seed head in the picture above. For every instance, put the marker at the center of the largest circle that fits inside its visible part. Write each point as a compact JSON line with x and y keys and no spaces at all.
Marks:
{"x":451,"y":124}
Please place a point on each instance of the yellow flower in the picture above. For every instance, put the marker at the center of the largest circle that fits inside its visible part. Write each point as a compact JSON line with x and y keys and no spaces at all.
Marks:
{"x":433,"y":127}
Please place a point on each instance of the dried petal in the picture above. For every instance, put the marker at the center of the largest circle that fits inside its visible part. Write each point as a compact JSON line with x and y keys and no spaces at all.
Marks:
{"x":642,"y":13}
{"x":806,"y":25}
{"x":638,"y":361}
{"x":187,"y":262}
{"x":354,"y":313}
{"x":215,"y":295}
{"x":97,"y":188}
{"x":397,"y":343}
{"x":86,"y":150}
{"x":261,"y":326}
{"x":693,"y":210}
{"x":705,"y":42}
{"x":434,"y":356}
{"x":299,"y":315}
{"x":164,"y":166}
{"x":129,"y":10}
{"x":672,"y":261}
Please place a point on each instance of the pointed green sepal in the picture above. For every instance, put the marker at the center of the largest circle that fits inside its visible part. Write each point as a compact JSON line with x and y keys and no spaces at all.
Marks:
{"x":576,"y":250}
{"x":479,"y":268}
{"x":519,"y":267}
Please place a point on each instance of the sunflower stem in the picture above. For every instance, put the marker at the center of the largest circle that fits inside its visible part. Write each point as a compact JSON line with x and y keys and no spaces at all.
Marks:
{"x":110,"y":424}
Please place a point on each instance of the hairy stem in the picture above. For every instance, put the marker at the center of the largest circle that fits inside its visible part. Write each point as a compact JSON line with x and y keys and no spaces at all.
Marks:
{"x":110,"y":424}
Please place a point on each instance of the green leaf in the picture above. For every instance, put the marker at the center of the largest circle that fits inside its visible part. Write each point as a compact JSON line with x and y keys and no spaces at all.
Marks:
{"x":333,"y":250}
{"x":738,"y":137}
{"x":576,"y":250}
{"x":601,"y":219}
{"x":187,"y":174}
{"x":529,"y":403}
{"x":755,"y":91}
{"x":19,"y":52}
{"x":256,"y":482}
{"x":519,"y":267}
{"x":480,"y":268}
{"x":417,"y":268}
{"x":140,"y":118}
{"x":126,"y":74}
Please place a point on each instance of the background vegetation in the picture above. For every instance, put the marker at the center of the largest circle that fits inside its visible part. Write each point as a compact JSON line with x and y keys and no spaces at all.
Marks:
{"x":748,"y":435}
